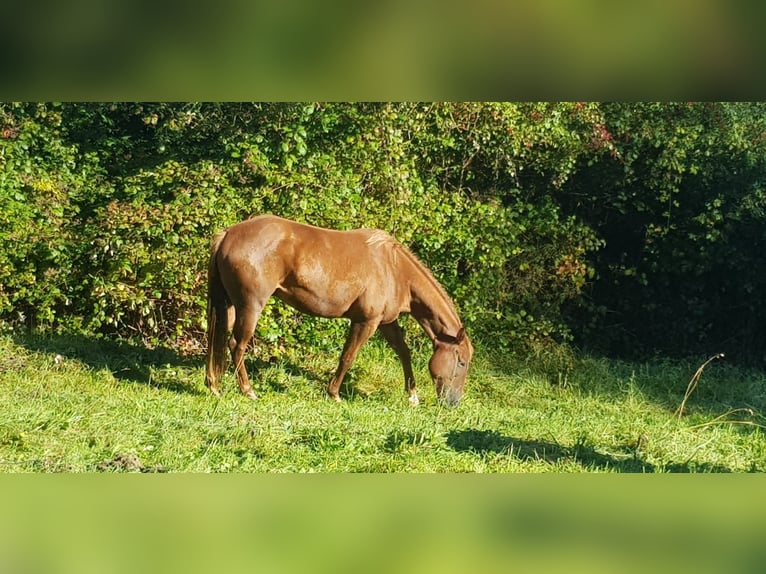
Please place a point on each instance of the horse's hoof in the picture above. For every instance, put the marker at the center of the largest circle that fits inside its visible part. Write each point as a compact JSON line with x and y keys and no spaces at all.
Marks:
{"x":215,"y":392}
{"x":336,"y":398}
{"x":251,"y":395}
{"x":414,"y":401}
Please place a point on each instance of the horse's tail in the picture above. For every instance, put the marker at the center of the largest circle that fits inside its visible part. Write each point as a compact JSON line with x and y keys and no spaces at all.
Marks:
{"x":217,"y":319}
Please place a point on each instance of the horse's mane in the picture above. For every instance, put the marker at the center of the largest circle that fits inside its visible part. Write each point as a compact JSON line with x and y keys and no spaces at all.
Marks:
{"x":379,"y":237}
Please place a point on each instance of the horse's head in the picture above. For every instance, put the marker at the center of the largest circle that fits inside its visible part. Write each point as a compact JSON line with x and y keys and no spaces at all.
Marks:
{"x":449,"y":366}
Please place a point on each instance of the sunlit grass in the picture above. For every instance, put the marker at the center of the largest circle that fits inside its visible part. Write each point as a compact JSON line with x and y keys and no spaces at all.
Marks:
{"x":76,"y":405}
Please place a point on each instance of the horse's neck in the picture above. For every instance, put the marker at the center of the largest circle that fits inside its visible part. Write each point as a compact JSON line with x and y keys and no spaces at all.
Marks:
{"x":429,"y":303}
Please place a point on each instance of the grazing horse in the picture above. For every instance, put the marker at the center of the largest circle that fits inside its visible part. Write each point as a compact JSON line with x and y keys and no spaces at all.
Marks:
{"x":362,"y":275}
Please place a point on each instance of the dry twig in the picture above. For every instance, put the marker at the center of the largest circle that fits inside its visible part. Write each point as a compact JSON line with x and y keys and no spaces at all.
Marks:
{"x":693,"y":383}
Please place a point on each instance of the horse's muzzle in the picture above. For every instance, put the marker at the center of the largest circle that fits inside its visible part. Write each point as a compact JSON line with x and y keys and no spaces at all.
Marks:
{"x":450,"y":397}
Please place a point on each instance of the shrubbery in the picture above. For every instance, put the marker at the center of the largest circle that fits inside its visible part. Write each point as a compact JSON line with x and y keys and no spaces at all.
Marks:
{"x":681,"y":207}
{"x":106,"y":211}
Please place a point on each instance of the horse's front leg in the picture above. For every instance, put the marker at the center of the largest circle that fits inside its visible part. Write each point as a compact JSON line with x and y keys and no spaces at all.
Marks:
{"x":394,"y":336}
{"x":358,"y":335}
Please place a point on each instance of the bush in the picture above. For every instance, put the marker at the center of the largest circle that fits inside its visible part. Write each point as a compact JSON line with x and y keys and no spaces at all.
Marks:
{"x":42,"y":179}
{"x":117,"y":207}
{"x":681,"y":207}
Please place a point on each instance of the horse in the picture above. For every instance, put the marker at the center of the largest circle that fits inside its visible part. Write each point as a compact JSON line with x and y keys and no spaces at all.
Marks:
{"x":363,"y":275}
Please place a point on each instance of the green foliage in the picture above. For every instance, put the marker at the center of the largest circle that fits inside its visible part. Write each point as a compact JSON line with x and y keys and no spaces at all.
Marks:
{"x":654,"y":211}
{"x":178,"y":173}
{"x":680,"y":206}
{"x":141,"y":276}
{"x":42,"y":179}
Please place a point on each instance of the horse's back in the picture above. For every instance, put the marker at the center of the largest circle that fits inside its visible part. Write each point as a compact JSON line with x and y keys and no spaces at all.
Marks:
{"x":316,"y":270}
{"x":269,"y":234}
{"x":258,"y":229}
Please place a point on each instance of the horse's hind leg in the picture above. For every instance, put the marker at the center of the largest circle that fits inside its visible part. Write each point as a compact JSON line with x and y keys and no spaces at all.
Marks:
{"x":394,"y":336}
{"x":244,"y":326}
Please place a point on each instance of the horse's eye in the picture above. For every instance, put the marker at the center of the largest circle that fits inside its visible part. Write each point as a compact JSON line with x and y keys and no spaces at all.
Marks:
{"x":461,"y":364}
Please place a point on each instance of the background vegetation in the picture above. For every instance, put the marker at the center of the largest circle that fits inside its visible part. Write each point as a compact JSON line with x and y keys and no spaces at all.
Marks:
{"x":625,"y":228}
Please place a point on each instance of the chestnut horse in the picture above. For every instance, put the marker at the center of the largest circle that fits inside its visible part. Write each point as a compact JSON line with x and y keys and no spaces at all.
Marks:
{"x":362,"y":275}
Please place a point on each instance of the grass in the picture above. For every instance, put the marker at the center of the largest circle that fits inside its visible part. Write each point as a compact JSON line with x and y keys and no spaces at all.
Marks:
{"x":77,"y":405}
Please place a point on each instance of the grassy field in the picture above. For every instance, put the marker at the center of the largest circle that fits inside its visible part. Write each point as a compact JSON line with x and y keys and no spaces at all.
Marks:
{"x":71,"y":404}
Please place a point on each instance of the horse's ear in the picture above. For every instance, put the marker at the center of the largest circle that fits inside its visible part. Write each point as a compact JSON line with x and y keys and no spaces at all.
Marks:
{"x":460,"y":335}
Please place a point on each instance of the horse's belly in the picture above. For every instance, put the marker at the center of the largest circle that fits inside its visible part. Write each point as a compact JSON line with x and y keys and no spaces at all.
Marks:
{"x":325,"y":303}
{"x":345,"y":289}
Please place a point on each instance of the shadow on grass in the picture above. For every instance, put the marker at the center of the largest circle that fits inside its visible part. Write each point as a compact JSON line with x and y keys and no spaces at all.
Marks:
{"x":256,"y":366}
{"x":483,"y":441}
{"x":159,"y":367}
{"x":127,"y":362}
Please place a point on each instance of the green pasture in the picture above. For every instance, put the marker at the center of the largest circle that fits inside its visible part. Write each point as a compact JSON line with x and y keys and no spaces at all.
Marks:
{"x":74,"y":404}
